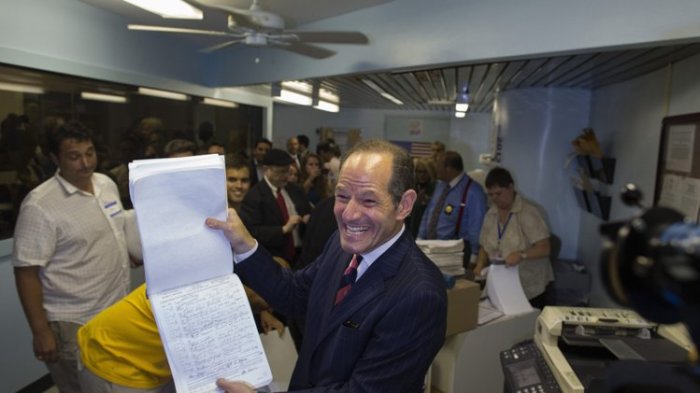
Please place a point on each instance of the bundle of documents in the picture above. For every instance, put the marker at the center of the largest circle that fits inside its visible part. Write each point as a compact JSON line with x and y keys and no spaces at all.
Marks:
{"x":203,"y":315}
{"x":505,"y":290}
{"x":446,"y":254}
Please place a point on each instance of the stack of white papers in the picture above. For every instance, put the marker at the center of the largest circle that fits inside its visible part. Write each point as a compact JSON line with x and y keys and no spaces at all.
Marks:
{"x":446,"y":254}
{"x":488,"y":312}
{"x":505,"y":290}
{"x":203,"y":315}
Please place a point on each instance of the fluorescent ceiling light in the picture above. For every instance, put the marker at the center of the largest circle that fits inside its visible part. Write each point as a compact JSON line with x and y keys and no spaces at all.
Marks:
{"x":21,"y":88}
{"x":327,"y":106}
{"x":163,"y":94}
{"x":301,"y":87}
{"x":294,"y":98}
{"x":392,"y":98}
{"x":381,"y":91}
{"x":215,"y":102}
{"x":328,"y":96}
{"x":461,"y":107}
{"x":460,"y":114}
{"x":373,"y":86}
{"x":175,"y":9}
{"x":103,"y":97}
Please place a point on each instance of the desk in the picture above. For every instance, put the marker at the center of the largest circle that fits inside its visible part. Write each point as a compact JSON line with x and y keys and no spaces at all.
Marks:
{"x":469,"y":361}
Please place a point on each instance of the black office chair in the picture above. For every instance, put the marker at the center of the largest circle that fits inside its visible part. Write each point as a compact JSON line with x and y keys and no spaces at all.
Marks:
{"x":572,"y":283}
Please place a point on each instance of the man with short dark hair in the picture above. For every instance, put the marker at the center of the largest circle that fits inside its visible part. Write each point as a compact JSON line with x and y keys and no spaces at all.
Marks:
{"x":216,"y":148}
{"x":458,"y":205}
{"x":180,"y":148}
{"x":70,"y":252}
{"x":377,"y":303}
{"x":293,"y":150}
{"x":262,"y":146}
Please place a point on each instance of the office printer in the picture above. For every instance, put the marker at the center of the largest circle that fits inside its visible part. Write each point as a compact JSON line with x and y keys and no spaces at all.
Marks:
{"x":577,"y":343}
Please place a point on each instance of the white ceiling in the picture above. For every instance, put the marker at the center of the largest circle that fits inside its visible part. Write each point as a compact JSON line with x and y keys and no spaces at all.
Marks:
{"x":430,"y":87}
{"x":296,"y":12}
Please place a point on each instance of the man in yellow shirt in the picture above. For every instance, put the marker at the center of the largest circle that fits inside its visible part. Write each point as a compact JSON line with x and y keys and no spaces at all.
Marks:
{"x":121,"y":347}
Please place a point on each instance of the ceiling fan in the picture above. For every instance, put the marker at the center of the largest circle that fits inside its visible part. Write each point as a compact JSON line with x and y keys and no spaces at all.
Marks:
{"x":257,"y":27}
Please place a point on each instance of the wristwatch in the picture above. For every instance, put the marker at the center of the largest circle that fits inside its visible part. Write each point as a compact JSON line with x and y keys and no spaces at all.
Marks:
{"x":523,"y":256}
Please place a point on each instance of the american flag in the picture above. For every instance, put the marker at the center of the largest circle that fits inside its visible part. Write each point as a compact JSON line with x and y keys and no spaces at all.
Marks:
{"x":415,"y":149}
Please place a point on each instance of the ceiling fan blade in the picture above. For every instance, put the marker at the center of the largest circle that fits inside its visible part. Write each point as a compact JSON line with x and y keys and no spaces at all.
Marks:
{"x":221,"y":46}
{"x":164,"y":29}
{"x":330,"y":37}
{"x":304,"y":49}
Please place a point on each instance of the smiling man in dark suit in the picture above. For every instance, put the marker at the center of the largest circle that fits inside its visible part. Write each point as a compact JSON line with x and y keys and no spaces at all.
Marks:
{"x":376,"y":305}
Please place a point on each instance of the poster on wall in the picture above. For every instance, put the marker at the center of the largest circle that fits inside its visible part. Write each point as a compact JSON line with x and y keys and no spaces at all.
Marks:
{"x":679,"y":148}
{"x":415,"y":127}
{"x":678,"y":174}
{"x":421,"y":129}
{"x":681,"y":193}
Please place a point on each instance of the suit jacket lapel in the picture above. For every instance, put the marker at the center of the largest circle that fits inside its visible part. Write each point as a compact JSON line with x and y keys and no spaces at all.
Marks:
{"x":370,"y":285}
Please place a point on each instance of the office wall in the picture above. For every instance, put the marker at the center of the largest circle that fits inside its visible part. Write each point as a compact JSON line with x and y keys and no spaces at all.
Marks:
{"x":537,"y":127}
{"x":627,"y":118}
{"x":468,"y":136}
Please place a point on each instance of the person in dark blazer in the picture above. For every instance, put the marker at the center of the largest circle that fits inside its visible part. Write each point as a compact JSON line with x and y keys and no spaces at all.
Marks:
{"x":275,"y":224}
{"x":383,"y":335}
{"x":262,"y":146}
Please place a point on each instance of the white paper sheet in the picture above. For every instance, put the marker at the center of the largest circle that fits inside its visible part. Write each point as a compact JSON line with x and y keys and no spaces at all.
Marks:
{"x":172,"y":198}
{"x":440,"y":246}
{"x":505,"y":290}
{"x":203,"y":315}
{"x":488,"y":312}
{"x":210,"y":333}
{"x":679,"y":147}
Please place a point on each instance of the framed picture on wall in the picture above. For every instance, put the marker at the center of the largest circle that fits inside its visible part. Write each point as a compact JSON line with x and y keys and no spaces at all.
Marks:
{"x":678,"y":172}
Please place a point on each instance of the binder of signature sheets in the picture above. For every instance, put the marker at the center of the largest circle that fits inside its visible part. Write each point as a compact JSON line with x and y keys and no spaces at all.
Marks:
{"x":203,"y":315}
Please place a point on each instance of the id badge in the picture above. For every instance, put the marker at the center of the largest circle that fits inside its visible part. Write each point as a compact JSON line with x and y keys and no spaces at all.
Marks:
{"x":112,"y":208}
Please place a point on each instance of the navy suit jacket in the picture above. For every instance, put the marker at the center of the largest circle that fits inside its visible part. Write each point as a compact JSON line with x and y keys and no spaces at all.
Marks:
{"x":263,"y":217}
{"x":383,"y":336}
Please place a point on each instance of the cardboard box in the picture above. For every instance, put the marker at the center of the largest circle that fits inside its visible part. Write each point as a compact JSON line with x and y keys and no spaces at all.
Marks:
{"x":462,"y":306}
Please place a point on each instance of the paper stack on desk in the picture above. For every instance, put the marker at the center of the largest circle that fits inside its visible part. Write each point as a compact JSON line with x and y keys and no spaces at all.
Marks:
{"x":448,"y":255}
{"x":505,"y":290}
{"x":203,"y":315}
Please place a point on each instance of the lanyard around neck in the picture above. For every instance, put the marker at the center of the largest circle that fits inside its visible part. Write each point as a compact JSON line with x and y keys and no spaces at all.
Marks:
{"x":502,"y":230}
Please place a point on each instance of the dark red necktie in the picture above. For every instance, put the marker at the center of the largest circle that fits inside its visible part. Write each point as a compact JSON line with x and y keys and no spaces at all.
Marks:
{"x":349,"y":277}
{"x":289,"y":250}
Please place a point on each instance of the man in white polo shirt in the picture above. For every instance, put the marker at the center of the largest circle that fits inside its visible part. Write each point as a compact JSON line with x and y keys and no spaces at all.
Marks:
{"x":70,"y":253}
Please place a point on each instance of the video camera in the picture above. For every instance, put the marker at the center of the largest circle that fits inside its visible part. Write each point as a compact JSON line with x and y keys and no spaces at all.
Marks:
{"x":651,"y":263}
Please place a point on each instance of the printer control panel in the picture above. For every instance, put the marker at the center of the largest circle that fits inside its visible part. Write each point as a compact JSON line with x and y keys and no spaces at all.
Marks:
{"x":606,"y":316}
{"x":525,"y":370}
